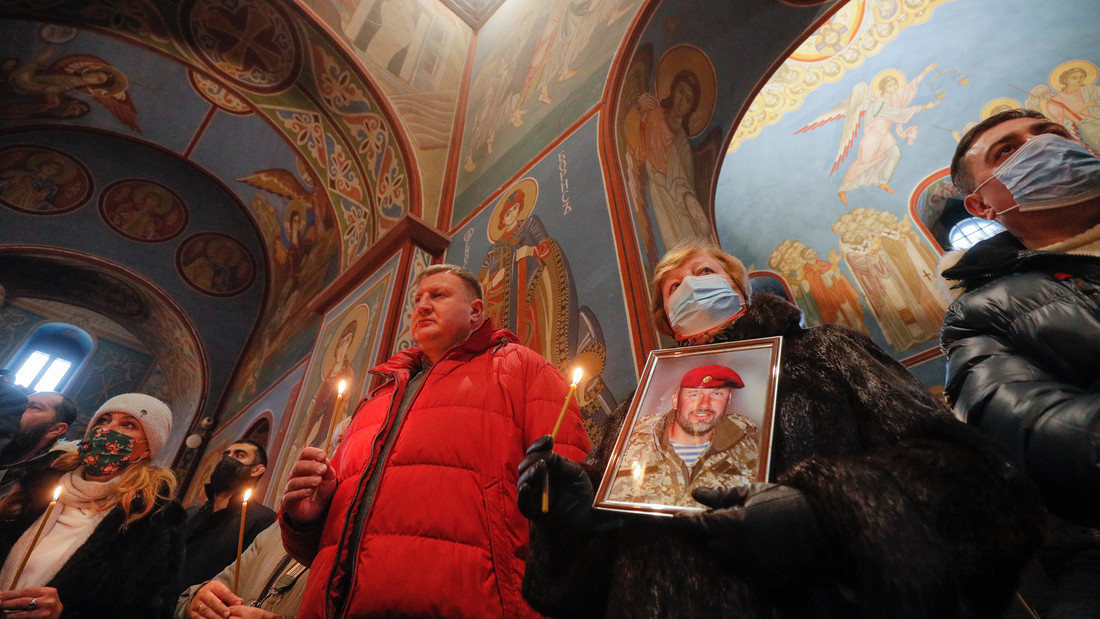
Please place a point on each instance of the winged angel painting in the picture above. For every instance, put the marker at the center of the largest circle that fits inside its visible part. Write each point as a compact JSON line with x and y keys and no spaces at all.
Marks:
{"x":29,"y":89}
{"x":882,"y":108}
{"x":668,"y":177}
{"x":301,"y":245}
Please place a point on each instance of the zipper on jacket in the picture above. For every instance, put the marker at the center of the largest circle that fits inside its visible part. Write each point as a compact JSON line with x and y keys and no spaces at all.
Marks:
{"x":368,"y":485}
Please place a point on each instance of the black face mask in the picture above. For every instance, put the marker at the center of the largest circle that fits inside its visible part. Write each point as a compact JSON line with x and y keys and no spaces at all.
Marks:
{"x":229,"y":474}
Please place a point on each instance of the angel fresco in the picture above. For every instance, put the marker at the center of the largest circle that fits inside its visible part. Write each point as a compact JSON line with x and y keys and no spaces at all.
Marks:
{"x":881,"y":106}
{"x":31,"y":90}
{"x":661,"y":162}
{"x":301,"y":245}
{"x":1074,"y":101}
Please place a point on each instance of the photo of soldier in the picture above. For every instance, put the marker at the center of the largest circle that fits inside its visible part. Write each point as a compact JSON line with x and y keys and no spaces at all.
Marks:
{"x":700,"y":442}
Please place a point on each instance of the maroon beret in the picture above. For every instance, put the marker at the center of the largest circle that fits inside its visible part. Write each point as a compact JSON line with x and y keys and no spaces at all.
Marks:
{"x":712,"y":377}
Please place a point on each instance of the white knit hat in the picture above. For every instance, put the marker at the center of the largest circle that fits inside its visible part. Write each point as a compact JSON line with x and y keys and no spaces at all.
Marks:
{"x":154,"y":416}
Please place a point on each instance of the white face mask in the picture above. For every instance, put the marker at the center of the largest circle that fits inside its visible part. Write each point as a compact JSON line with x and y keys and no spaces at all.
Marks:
{"x":1048,"y":171}
{"x":701,"y":303}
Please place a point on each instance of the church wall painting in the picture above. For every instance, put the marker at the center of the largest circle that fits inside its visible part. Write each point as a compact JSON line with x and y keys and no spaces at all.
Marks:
{"x":42,"y":181}
{"x":680,"y":88}
{"x":546,"y":258}
{"x":403,"y":339}
{"x":539,"y":66}
{"x":278,"y":402}
{"x":868,"y":198}
{"x":346,"y":349}
{"x":416,"y":51}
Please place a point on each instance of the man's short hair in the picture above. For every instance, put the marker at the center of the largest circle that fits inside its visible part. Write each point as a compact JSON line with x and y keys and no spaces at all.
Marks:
{"x":261,"y":453}
{"x":66,"y":410}
{"x":961,"y":176}
{"x":465,"y":275}
{"x":680,"y":254}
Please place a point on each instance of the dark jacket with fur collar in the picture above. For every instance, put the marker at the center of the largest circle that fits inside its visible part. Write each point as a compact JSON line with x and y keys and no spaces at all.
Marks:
{"x":924,"y":517}
{"x":121,"y":573}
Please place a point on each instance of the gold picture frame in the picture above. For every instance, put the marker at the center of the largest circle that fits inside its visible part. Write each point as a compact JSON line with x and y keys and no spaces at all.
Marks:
{"x":646,"y":473}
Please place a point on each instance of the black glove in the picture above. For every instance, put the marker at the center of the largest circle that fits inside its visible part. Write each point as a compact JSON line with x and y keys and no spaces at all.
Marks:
{"x":767,"y":532}
{"x":571,"y":492}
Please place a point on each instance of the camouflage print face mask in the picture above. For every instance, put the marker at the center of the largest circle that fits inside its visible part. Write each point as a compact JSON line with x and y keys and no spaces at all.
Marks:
{"x":106,"y":452}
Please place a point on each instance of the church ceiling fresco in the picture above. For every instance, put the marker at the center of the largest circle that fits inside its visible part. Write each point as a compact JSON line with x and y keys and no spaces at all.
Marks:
{"x":539,"y":66}
{"x":219,"y":317}
{"x":864,"y":119}
{"x":415,"y":50}
{"x":268,"y":58}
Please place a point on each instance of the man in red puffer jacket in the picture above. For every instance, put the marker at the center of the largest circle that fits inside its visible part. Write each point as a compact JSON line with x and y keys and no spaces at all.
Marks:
{"x":416,"y":513}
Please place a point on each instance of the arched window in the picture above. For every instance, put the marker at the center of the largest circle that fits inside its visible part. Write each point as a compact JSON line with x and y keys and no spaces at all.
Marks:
{"x":970,"y":230}
{"x":51,"y":356}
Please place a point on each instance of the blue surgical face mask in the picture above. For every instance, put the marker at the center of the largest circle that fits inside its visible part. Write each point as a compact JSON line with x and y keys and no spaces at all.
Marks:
{"x":701,"y":303}
{"x":1048,"y":171}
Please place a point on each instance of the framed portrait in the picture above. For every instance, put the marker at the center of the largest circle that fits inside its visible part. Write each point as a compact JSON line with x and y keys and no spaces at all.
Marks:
{"x":702,"y":417}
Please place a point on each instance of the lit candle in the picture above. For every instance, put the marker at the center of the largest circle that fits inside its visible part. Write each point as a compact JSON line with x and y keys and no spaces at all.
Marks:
{"x":240,"y":541}
{"x":41,"y":525}
{"x":335,"y":413}
{"x":554,"y":436}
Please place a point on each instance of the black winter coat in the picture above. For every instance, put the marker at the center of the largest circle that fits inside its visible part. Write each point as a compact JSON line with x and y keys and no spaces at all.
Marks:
{"x":131,"y":573}
{"x":1023,"y":349}
{"x":924,"y":517}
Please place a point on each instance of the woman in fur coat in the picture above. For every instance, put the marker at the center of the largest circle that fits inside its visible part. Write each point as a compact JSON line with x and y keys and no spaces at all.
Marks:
{"x":112,"y":546}
{"x":883,"y":504}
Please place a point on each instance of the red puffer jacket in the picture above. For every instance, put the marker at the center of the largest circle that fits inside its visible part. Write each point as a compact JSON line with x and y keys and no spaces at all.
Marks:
{"x":439,"y":533}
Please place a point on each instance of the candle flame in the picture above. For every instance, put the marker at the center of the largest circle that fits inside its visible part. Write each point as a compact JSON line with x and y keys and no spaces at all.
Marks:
{"x":247,"y":493}
{"x":638,"y":472}
{"x":577,"y":373}
{"x":56,"y":493}
{"x":341,"y":387}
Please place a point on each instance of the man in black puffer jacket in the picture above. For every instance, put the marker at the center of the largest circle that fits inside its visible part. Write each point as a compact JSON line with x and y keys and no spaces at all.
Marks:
{"x":1023,"y":338}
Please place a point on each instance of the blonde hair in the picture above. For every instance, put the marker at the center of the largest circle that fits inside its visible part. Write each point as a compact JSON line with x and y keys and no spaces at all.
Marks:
{"x":139,"y":486}
{"x":676,"y":257}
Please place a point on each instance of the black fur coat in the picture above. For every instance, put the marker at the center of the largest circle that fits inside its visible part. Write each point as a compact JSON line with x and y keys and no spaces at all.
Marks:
{"x":126,"y":573}
{"x":924,"y":517}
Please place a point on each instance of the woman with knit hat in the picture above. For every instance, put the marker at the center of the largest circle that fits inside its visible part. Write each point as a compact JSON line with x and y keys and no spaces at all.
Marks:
{"x":112,"y":546}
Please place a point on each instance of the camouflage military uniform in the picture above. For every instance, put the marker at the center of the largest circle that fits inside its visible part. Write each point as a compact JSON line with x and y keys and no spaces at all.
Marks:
{"x":731,"y":460}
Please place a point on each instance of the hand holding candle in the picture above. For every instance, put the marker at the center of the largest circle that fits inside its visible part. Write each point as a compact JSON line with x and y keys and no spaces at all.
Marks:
{"x":240,"y":541}
{"x":30,"y":549}
{"x":335,"y":414}
{"x":577,"y":373}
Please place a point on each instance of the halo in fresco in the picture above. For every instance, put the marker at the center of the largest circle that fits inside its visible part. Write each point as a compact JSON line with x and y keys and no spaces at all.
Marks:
{"x":689,"y":58}
{"x":524,"y":193}
{"x":217,"y":94}
{"x":215,"y":264}
{"x":360,"y":315}
{"x":143,"y":210}
{"x":880,"y":79}
{"x":999,"y":105}
{"x":41,"y":180}
{"x":57,"y":34}
{"x":1089,"y":69}
{"x":251,"y":43}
